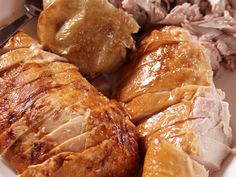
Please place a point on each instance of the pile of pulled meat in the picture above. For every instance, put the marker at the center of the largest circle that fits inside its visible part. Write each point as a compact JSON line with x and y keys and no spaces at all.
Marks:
{"x":213,"y":22}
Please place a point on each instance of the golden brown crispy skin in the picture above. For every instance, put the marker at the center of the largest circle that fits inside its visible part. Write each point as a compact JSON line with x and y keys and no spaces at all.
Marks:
{"x":55,"y":117}
{"x":103,"y":160}
{"x":150,"y":103}
{"x":163,"y":159}
{"x":165,"y":88}
{"x":20,"y":40}
{"x":92,"y":34}
{"x":165,"y":59}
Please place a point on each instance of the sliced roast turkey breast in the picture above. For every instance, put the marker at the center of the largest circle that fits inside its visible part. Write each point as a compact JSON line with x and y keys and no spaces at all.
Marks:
{"x":199,"y":147}
{"x":18,"y":101}
{"x":14,"y":58}
{"x":47,"y":116}
{"x":192,"y":105}
{"x":29,"y":72}
{"x":139,"y":107}
{"x":165,"y":59}
{"x":195,"y":135}
{"x":40,"y":109}
{"x":83,"y":141}
{"x":89,"y":135}
{"x":214,"y":122}
{"x":165,"y":159}
{"x":190,"y":115}
{"x":105,"y":160}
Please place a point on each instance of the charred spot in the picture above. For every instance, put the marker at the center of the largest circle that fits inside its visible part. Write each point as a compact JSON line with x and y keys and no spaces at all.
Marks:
{"x":10,"y":135}
{"x":11,"y":118}
{"x":2,"y":127}
{"x":5,"y":98}
{"x":38,"y":149}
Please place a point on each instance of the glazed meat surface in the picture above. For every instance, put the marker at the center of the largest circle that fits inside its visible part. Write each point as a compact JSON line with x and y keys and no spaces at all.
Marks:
{"x":168,"y":90}
{"x":54,"y":123}
{"x":20,"y":40}
{"x":165,"y":59}
{"x":167,"y":156}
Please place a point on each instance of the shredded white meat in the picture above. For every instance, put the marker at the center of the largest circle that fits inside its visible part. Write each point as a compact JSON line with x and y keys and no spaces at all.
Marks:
{"x":213,"y":22}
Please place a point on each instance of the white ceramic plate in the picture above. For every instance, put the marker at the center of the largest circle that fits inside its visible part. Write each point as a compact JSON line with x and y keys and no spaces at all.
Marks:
{"x":11,"y":9}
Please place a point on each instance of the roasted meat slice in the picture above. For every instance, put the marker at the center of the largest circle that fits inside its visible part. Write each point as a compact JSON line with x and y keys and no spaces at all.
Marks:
{"x":195,"y":127}
{"x":53,"y":115}
{"x":139,"y":107}
{"x":168,"y":90}
{"x":20,"y":40}
{"x":163,"y":159}
{"x":30,"y":72}
{"x":18,"y":101}
{"x":14,"y":58}
{"x":166,"y":59}
{"x":92,"y":34}
{"x":199,"y":148}
{"x":100,"y":161}
{"x":203,"y":115}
